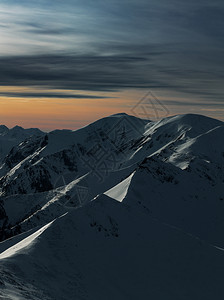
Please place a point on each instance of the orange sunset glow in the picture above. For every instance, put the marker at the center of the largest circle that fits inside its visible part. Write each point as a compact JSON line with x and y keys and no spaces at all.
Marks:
{"x":50,"y":113}
{"x":63,"y":113}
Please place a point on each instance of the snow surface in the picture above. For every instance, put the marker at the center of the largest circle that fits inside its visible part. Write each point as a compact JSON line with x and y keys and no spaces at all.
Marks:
{"x":24,"y":243}
{"x":119,"y":191}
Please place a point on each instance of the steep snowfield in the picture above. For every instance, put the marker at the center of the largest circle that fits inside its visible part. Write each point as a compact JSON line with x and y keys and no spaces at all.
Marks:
{"x":121,"y":209}
{"x":107,"y":250}
{"x":119,"y":191}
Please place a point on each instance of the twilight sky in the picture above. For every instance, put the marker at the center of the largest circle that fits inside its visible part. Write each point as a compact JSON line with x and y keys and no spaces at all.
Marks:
{"x":64,"y":64}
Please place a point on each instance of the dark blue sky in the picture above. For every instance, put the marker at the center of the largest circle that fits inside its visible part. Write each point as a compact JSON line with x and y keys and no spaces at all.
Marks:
{"x":174,"y":48}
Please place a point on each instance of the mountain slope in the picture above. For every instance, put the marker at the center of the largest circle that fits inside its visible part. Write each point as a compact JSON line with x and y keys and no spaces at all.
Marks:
{"x":106,"y":250}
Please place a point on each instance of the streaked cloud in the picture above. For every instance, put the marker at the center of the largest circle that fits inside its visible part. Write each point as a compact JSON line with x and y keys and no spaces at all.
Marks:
{"x":125,"y":70}
{"x":50,"y":95}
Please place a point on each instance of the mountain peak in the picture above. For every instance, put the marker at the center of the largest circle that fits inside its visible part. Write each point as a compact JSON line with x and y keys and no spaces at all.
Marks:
{"x":119,"y":115}
{"x":3,"y":128}
{"x":17,"y":128}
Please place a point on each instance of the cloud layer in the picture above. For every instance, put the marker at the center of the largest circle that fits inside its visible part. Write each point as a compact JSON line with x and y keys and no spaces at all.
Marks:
{"x":114,"y":45}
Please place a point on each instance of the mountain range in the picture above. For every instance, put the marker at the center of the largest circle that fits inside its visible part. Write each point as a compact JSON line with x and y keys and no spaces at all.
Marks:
{"x":124,"y":208}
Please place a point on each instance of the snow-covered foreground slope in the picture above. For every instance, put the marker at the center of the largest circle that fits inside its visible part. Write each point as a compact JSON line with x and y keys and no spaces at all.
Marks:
{"x":107,"y":250}
{"x":121,"y":209}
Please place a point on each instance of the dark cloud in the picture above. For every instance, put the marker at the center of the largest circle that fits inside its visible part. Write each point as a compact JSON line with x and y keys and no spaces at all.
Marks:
{"x":51,"y":95}
{"x":111,"y":72}
{"x":45,"y":29}
{"x":134,"y":67}
{"x":55,"y":31}
{"x":192,"y":104}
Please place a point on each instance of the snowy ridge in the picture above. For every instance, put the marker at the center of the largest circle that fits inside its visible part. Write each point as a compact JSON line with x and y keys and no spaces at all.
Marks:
{"x":12,"y":137}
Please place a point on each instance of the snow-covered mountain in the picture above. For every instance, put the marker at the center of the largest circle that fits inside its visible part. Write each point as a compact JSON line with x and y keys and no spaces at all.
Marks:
{"x":11,"y":137}
{"x":123,"y":208}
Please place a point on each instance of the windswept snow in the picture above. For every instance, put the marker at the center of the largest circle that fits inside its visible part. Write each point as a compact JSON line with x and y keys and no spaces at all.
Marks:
{"x":119,"y":191}
{"x":22,"y":245}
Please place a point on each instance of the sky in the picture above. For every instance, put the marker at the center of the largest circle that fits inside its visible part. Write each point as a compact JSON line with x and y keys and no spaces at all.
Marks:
{"x":64,"y":64}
